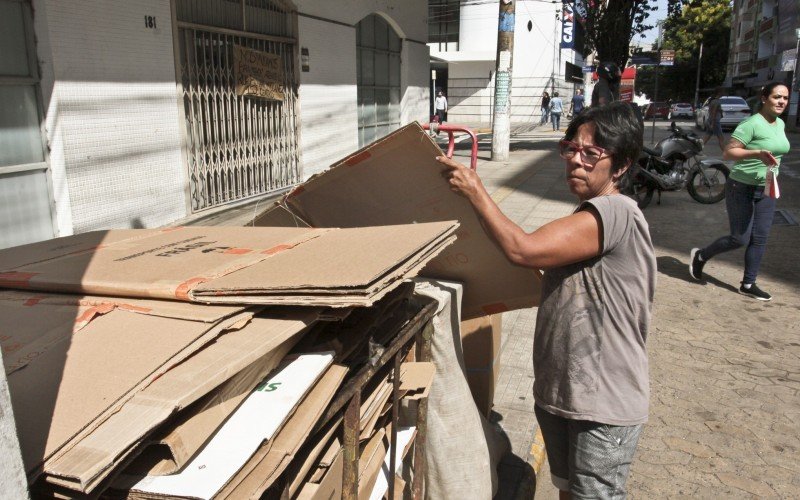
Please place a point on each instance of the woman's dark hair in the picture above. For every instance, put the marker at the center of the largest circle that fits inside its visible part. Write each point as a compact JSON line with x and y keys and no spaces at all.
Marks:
{"x":767,"y":89}
{"x":616,"y":128}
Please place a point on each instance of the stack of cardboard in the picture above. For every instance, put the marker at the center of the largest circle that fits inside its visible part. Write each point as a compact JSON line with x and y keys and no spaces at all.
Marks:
{"x":279,"y":266}
{"x":164,"y":388}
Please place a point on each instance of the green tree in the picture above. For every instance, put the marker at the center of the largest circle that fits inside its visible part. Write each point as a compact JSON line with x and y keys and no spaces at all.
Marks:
{"x":686,"y":26}
{"x":611,"y":25}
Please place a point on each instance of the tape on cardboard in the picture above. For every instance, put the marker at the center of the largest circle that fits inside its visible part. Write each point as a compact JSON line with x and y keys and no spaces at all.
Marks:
{"x":15,"y":279}
{"x":182,"y":291}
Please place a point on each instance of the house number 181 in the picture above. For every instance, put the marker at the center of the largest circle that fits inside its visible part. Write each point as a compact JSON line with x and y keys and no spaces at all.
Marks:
{"x":150,"y":22}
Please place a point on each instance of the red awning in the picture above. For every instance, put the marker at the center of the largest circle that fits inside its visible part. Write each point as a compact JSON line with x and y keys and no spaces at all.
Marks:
{"x":628,"y":74}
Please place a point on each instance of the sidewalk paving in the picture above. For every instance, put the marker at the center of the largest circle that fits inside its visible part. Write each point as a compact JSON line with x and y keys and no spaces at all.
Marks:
{"x":725,"y":369}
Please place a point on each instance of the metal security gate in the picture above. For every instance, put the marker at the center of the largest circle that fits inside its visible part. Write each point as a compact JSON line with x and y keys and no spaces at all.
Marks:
{"x":237,"y":147}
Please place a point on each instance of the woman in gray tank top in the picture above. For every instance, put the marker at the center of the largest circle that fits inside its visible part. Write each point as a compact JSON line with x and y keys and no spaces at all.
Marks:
{"x":591,"y":383}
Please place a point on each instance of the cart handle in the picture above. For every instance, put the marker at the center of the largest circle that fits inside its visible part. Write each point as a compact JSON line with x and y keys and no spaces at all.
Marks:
{"x":451,"y":146}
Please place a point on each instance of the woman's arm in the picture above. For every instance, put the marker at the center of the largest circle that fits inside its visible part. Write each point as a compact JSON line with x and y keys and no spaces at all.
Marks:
{"x":563,"y":241}
{"x":735,"y":150}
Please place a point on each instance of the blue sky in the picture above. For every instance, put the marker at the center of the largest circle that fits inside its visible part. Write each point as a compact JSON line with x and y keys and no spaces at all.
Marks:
{"x":651,"y":35}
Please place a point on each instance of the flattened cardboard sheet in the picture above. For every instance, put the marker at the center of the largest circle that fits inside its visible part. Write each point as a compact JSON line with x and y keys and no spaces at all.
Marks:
{"x":396,"y":180}
{"x":12,"y":258}
{"x":300,"y":266}
{"x":270,"y":461}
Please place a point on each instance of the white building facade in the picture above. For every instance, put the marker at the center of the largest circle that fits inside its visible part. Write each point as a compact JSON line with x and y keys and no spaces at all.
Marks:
{"x":467,"y":51}
{"x":126,"y":114}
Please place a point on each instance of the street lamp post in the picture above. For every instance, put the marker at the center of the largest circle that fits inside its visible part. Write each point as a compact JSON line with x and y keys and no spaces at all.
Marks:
{"x":793,"y":95}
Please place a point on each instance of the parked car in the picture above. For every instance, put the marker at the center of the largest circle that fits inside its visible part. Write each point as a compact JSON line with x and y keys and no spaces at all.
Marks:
{"x":734,"y":110}
{"x":656,"y":110}
{"x":681,"y":110}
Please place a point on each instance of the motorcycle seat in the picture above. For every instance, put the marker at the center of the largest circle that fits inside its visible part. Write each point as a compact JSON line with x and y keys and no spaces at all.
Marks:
{"x":652,"y":152}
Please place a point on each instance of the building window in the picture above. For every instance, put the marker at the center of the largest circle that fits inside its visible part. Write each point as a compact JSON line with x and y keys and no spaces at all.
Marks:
{"x":378,"y":66}
{"x":443,"y":24}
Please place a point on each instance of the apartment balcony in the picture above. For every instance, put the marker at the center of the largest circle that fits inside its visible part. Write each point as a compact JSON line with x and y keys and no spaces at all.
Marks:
{"x":766,"y":25}
{"x":751,"y":4}
{"x":749,"y":34}
{"x":764,"y":62}
{"x":744,"y":47}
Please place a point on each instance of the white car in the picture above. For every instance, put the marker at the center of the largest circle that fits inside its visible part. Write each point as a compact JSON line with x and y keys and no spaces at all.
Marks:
{"x":680,"y":110}
{"x":734,"y":110}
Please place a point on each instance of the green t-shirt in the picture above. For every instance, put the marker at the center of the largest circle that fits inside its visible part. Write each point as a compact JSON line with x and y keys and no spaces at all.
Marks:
{"x":757,"y":133}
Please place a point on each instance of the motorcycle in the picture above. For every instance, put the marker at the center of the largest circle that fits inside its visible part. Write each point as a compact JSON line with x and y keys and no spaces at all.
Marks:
{"x":674,"y":163}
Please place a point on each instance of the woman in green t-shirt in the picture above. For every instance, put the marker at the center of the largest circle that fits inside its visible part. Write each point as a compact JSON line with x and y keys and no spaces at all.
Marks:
{"x":757,"y":145}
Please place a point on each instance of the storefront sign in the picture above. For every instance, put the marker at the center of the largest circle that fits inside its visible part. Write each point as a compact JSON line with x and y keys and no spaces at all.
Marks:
{"x":567,"y":27}
{"x":667,"y":58}
{"x":258,"y":74}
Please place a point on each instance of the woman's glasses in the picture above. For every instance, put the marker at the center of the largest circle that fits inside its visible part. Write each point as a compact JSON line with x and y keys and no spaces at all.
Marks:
{"x":589,"y":154}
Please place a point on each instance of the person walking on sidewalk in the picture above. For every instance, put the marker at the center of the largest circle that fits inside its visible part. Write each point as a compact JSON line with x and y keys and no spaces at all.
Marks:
{"x":441,"y":106}
{"x":757,"y":145}
{"x":556,"y":108}
{"x":591,"y":384}
{"x":545,"y":108}
{"x":715,"y":120}
{"x":577,"y":104}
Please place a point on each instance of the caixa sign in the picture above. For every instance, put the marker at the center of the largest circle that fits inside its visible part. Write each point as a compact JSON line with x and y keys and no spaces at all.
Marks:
{"x":568,"y":26}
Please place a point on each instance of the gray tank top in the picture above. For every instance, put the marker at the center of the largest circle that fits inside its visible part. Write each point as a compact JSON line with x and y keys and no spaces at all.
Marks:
{"x":589,"y":355}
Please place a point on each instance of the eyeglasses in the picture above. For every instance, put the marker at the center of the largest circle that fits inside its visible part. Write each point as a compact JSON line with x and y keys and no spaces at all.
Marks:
{"x":589,"y":154}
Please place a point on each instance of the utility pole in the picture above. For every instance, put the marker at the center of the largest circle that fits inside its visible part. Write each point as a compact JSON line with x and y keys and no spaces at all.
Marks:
{"x":501,"y":122}
{"x":697,"y":82}
{"x":658,"y":64}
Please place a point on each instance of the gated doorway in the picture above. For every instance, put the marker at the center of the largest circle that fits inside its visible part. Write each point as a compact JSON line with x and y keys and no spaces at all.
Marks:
{"x":237,"y":147}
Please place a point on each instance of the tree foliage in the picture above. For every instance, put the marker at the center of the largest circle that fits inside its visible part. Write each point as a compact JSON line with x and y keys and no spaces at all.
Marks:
{"x":611,"y":25}
{"x":686,"y":26}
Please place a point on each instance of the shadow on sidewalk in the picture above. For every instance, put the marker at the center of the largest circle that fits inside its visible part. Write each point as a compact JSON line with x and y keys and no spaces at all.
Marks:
{"x":674,"y":268}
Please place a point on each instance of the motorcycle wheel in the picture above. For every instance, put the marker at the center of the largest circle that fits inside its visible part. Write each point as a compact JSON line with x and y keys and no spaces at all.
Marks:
{"x":711,"y":190}
{"x":641,"y":193}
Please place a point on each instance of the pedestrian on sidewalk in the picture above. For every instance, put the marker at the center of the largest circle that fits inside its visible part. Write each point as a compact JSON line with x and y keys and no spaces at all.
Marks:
{"x":715,"y":120}
{"x":441,"y":106}
{"x":591,"y":384}
{"x":545,"y":108}
{"x":757,"y":145}
{"x":556,"y":108}
{"x":577,"y":104}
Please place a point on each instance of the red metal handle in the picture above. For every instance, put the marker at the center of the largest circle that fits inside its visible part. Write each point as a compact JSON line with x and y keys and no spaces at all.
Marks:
{"x":451,"y":145}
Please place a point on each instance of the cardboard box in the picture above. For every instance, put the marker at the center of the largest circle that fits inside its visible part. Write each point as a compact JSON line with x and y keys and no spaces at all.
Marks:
{"x":397,"y":180}
{"x":480,"y":341}
{"x":296,"y":266}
